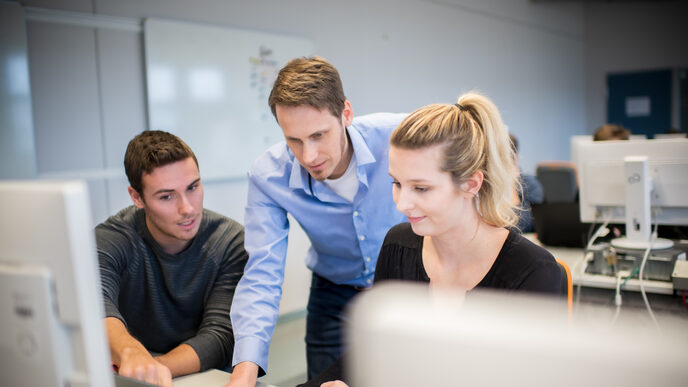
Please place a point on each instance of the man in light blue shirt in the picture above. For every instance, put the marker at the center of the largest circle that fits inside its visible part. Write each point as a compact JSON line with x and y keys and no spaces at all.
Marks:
{"x":331,"y":175}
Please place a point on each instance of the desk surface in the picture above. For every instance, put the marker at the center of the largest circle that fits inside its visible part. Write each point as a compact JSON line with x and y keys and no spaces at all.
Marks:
{"x":209,"y":378}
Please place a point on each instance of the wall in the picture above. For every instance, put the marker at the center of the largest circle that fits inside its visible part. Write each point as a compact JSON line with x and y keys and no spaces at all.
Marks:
{"x":17,"y":152}
{"x":394,"y":55}
{"x":630,"y":36}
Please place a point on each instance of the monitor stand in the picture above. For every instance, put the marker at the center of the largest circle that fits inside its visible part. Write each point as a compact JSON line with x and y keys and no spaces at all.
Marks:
{"x":638,"y":199}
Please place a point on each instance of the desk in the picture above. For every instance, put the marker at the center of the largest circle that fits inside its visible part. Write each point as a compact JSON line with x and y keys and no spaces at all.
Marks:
{"x":574,"y":259}
{"x":209,"y":378}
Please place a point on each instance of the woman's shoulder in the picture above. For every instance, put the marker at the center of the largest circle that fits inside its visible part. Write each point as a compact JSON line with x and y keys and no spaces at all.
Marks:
{"x":520,"y":246}
{"x":400,"y":256}
{"x":402,"y":235}
{"x":524,"y":265}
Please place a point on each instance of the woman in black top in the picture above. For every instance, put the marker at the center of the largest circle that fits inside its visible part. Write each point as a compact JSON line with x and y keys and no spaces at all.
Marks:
{"x":520,"y":264}
{"x":453,"y":177}
{"x":452,"y":174}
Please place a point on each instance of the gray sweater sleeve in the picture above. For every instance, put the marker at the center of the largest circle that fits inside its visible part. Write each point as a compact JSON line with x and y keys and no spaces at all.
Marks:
{"x":112,"y":262}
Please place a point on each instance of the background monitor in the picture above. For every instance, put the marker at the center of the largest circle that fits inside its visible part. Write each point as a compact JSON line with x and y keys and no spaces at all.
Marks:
{"x":402,"y":335}
{"x":670,"y":135}
{"x":51,"y":310}
{"x":605,"y":179}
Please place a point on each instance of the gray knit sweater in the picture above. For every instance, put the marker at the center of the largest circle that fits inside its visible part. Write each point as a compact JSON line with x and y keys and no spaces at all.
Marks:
{"x":166,"y":300}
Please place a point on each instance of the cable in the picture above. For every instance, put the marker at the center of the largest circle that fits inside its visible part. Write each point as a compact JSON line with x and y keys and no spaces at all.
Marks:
{"x":617,"y":297}
{"x":634,"y":272}
{"x":590,"y":230}
{"x":619,"y":286}
{"x":640,"y":276}
{"x":600,"y":230}
{"x":629,"y":276}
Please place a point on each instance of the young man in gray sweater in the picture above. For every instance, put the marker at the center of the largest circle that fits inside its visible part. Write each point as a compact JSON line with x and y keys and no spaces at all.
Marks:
{"x":168,"y":267}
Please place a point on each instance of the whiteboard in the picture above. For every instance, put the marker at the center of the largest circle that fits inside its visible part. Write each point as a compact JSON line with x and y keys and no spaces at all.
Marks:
{"x":209,"y":85}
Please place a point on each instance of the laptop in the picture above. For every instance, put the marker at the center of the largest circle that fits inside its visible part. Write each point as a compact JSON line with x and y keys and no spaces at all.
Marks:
{"x":123,"y":381}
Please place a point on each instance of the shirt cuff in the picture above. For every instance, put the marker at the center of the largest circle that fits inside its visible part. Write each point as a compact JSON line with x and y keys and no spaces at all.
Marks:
{"x":251,"y":349}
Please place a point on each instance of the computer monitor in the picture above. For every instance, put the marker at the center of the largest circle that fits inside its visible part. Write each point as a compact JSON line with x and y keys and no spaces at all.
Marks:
{"x":404,"y":335}
{"x":51,"y":310}
{"x":637,"y":182}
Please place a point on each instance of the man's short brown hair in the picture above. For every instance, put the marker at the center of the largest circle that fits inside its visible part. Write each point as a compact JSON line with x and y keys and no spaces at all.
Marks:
{"x":611,"y":132}
{"x":151,"y":149}
{"x":308,"y":81}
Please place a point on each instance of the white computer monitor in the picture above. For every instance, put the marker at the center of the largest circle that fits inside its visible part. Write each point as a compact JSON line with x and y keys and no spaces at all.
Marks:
{"x":638,"y":183}
{"x":404,"y":335}
{"x":51,"y":310}
{"x":670,"y":135}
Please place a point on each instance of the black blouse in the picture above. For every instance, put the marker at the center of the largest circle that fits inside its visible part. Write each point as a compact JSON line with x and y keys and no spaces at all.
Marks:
{"x":520,"y":265}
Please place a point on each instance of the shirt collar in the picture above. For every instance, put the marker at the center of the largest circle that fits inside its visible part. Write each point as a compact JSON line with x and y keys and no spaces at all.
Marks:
{"x":299,"y":175}
{"x":298,"y":178}
{"x":363,"y":154}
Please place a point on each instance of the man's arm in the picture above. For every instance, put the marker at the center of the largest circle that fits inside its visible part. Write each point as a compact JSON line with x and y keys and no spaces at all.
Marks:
{"x":256,"y":303}
{"x":136,"y":362}
{"x":126,"y":352}
{"x":182,"y":360}
{"x":131,"y":356}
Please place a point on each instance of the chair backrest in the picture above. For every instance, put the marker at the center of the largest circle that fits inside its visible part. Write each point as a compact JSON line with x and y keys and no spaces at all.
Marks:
{"x":558,"y":224}
{"x":567,"y":284}
{"x":558,"y":181}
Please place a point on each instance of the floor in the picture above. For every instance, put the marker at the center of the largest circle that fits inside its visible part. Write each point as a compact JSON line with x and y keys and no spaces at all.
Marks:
{"x":287,"y":357}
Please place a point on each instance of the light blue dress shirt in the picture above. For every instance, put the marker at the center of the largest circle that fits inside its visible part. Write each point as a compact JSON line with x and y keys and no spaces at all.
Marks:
{"x":345,"y":237}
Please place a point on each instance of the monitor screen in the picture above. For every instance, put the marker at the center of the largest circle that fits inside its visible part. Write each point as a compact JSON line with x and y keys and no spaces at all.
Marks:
{"x":51,"y":312}
{"x":603,"y":181}
{"x":401,"y":334}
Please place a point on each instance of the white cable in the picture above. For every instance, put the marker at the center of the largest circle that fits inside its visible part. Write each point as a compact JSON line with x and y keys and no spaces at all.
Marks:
{"x":617,"y":297}
{"x":640,"y":276}
{"x":600,"y":230}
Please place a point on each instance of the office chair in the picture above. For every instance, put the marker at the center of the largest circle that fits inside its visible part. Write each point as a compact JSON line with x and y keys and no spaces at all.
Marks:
{"x":559,"y":181}
{"x":557,"y":219}
{"x":567,"y":285}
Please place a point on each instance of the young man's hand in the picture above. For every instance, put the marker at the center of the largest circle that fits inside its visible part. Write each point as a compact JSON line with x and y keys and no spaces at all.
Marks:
{"x":140,"y":365}
{"x":132,"y":358}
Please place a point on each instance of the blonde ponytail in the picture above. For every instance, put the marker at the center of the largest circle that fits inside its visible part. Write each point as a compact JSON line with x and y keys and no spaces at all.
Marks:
{"x":494,"y":201}
{"x":476,"y":140}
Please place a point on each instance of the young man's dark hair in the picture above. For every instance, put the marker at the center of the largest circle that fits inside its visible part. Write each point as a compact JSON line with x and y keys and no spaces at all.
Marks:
{"x":308,"y":81}
{"x":151,"y":149}
{"x":611,"y":132}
